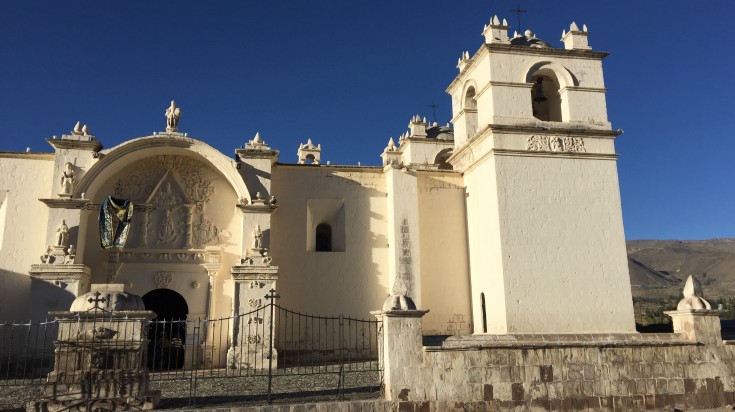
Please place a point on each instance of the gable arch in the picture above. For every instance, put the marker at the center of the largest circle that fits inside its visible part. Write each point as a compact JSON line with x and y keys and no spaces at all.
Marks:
{"x":116,"y":159}
{"x":563,"y":75}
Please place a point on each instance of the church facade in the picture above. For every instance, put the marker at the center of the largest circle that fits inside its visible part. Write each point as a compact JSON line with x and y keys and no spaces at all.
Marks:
{"x":509,"y":222}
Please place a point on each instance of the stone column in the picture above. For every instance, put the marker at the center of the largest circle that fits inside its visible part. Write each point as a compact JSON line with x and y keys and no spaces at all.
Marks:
{"x":401,"y":347}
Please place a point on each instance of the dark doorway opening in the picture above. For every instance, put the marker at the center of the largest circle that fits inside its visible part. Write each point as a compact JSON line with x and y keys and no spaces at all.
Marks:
{"x":167,"y":332}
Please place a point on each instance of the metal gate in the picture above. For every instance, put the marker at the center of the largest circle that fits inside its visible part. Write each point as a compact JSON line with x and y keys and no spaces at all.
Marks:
{"x":245,"y":358}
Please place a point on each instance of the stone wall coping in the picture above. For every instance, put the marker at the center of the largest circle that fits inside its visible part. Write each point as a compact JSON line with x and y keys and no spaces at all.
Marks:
{"x":531,"y":341}
{"x":696,"y":312}
{"x":102,"y":316}
{"x":417,"y":313}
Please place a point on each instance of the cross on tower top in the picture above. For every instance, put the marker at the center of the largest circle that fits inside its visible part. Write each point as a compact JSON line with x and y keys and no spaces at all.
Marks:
{"x":433,"y":106}
{"x":518,"y":11}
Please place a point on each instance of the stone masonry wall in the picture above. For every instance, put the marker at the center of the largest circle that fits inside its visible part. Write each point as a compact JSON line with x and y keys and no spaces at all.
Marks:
{"x":644,"y":377}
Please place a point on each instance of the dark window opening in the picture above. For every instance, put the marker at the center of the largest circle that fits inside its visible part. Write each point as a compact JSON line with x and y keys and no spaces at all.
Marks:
{"x":323,"y":238}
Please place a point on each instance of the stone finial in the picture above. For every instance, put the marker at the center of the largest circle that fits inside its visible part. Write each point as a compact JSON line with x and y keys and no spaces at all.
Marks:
{"x":80,"y":130}
{"x":391,"y":154}
{"x":417,"y":126}
{"x":257,"y":143}
{"x":399,"y":302}
{"x":575,"y":39}
{"x":693,"y":296}
{"x":496,"y":32}
{"x":463,"y":61}
{"x":173,"y":115}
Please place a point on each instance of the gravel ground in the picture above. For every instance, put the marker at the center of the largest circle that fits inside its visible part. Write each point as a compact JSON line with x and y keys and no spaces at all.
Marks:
{"x":222,"y":388}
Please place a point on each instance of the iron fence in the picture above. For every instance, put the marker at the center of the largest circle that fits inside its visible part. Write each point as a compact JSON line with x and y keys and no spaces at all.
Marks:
{"x":269,"y":354}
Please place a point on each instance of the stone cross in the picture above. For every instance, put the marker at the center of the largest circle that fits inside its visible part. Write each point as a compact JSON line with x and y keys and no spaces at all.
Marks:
{"x":97,"y":300}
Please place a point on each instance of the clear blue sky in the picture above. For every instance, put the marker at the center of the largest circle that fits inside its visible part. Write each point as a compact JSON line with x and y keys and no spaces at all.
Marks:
{"x":350,"y":74}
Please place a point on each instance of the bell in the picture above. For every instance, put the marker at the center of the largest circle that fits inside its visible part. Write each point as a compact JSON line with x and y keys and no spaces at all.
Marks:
{"x":539,"y":95}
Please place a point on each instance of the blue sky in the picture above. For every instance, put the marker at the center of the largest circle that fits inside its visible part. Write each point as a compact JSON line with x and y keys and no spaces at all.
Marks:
{"x":350,"y":74}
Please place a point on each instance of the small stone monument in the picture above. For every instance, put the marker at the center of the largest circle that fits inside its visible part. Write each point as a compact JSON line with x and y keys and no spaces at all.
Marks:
{"x":100,"y":355}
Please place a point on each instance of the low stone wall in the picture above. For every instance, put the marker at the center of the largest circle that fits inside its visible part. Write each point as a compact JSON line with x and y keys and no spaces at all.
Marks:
{"x":555,"y":372}
{"x":576,"y":377}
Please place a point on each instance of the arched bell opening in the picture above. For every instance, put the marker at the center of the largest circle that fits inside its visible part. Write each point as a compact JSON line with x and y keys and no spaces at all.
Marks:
{"x":441,"y":159}
{"x":470,"y":112}
{"x":167,"y":331}
{"x":545,"y":96}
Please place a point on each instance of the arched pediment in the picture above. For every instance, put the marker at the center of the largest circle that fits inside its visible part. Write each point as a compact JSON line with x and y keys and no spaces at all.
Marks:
{"x":118,"y":159}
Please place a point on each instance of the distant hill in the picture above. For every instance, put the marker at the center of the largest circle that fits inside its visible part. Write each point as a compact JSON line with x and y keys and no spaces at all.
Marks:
{"x":658,"y":268}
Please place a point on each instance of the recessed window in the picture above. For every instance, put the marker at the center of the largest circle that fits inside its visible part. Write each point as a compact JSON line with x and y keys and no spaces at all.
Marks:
{"x":470,"y":112}
{"x":323,"y":241}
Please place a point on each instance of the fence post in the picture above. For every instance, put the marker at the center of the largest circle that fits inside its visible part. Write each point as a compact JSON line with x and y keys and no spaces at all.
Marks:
{"x":342,"y":348}
{"x":271,"y":296}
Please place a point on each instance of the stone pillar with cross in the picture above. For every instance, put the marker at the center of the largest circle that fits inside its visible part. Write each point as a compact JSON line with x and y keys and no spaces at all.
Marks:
{"x":252,"y":315}
{"x":100,"y":355}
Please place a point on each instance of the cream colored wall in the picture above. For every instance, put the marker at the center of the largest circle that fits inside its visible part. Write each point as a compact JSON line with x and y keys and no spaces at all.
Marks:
{"x":24,"y":179}
{"x":561,"y":229}
{"x":444,"y":261}
{"x":353,"y":282}
{"x":485,"y":253}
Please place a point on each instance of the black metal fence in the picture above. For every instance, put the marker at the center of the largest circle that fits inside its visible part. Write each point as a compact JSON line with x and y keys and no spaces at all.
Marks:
{"x":239,"y":359}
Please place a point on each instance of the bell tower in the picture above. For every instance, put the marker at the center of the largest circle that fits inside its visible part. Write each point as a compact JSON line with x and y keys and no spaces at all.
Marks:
{"x":545,"y":229}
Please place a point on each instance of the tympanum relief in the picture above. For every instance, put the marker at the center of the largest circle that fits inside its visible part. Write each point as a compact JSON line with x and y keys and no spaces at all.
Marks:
{"x":178,"y":189}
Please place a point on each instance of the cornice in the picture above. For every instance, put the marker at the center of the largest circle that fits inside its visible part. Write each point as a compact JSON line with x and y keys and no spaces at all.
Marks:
{"x":65,"y":203}
{"x":27,"y":155}
{"x":542,"y":51}
{"x":91,"y":145}
{"x":257,"y":208}
{"x":554,"y":131}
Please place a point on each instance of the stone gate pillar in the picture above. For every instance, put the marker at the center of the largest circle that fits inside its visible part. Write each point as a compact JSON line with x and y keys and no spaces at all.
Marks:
{"x":694,"y":316}
{"x":252,"y":322}
{"x":401,"y":347}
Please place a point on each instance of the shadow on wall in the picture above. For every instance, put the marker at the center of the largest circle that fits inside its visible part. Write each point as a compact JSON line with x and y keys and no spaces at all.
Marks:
{"x":47,"y":297}
{"x":14,"y":296}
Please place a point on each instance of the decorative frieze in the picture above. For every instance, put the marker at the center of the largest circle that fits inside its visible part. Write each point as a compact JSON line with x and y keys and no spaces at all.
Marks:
{"x":538,"y":143}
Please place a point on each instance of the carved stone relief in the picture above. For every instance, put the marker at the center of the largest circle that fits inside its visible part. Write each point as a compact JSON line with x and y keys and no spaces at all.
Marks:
{"x":162,"y":279}
{"x":555,"y":144}
{"x":255,"y":303}
{"x":178,"y":188}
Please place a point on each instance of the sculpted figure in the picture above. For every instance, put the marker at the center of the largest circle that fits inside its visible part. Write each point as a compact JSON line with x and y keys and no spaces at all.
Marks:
{"x":173,"y":114}
{"x":62,"y":234}
{"x":257,"y":238}
{"x":67,"y":180}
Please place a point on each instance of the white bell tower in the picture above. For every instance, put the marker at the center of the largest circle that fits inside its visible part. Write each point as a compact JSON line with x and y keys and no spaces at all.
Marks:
{"x":545,"y":228}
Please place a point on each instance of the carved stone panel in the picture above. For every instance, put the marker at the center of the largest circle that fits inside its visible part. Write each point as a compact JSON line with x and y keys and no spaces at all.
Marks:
{"x":555,"y":144}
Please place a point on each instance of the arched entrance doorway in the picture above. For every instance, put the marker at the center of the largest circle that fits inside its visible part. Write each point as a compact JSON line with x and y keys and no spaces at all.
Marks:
{"x":167,"y":332}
